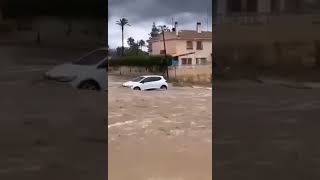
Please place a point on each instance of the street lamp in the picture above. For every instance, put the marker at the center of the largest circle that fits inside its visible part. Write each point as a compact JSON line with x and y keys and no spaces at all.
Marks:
{"x":163,"y":29}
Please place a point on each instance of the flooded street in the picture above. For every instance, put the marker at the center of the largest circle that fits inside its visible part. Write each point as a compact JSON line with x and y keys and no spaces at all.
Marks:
{"x":264,"y":131}
{"x":47,"y":131}
{"x":159,"y":134}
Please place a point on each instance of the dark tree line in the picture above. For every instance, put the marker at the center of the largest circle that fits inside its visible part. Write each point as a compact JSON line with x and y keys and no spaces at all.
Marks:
{"x":64,"y":8}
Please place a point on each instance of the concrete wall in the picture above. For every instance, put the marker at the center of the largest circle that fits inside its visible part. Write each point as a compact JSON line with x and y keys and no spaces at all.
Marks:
{"x":195,"y":74}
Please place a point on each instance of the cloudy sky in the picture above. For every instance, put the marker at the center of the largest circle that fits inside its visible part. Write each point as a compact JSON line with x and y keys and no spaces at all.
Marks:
{"x":142,"y":13}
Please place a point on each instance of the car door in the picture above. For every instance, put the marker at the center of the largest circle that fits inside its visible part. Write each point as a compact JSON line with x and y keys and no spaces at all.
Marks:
{"x":155,"y":83}
{"x":146,"y":83}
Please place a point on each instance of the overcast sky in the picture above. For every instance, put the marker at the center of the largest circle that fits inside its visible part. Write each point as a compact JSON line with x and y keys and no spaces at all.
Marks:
{"x":142,"y":13}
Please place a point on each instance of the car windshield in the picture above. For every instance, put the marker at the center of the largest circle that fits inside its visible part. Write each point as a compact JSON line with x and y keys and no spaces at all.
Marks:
{"x":138,"y":79}
{"x":92,"y":58}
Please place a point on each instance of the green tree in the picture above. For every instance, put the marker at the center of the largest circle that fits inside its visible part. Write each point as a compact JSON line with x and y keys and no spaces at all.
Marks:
{"x":119,"y":51}
{"x":131,"y":42}
{"x":123,"y":22}
{"x":142,"y":43}
{"x":135,"y":47}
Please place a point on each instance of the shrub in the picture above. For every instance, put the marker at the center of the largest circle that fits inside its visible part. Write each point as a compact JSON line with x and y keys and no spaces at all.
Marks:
{"x":140,"y":61}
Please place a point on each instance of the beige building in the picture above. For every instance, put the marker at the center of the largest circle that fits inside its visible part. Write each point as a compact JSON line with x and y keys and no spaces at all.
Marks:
{"x":268,"y":31}
{"x":189,"y":47}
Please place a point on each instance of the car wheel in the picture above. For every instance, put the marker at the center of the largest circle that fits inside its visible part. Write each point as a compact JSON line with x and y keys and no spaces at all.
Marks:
{"x":89,"y":85}
{"x":137,"y":89}
{"x":163,"y":87}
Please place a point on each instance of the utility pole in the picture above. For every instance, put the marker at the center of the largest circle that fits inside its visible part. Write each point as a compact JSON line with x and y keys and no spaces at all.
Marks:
{"x":165,"y":50}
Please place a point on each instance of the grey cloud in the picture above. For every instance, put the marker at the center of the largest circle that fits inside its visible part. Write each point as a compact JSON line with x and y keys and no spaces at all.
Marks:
{"x":148,"y":9}
{"x":141,"y":14}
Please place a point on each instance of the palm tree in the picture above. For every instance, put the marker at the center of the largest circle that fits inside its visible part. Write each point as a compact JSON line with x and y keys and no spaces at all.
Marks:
{"x":142,"y":43}
{"x":130,"y":41}
{"x":123,"y":22}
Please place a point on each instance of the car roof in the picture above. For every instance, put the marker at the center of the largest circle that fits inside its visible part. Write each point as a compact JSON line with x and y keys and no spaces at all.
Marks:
{"x":151,"y":76}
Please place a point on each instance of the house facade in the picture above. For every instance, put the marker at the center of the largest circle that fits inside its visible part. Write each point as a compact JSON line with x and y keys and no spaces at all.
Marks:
{"x":188,"y":47}
{"x":268,"y":31}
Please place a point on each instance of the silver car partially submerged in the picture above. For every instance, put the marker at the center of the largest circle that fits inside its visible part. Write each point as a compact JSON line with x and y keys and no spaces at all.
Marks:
{"x":88,"y":72}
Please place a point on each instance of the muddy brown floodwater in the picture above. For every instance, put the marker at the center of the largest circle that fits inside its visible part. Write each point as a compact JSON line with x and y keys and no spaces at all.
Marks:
{"x":47,"y":131}
{"x":264,"y":131}
{"x":154,"y":135}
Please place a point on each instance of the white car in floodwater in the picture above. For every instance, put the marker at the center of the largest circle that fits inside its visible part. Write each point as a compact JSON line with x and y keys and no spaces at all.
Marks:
{"x":88,"y":72}
{"x":147,"y":83}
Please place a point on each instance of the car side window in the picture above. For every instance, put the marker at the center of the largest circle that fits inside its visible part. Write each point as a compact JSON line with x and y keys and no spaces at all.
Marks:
{"x":103,"y":65}
{"x":147,"y":80}
{"x":152,"y":79}
{"x":156,"y":79}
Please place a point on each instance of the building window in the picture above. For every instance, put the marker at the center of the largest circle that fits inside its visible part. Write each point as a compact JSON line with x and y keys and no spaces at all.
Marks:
{"x":162,"y":51}
{"x":186,"y":61}
{"x":189,"y":45}
{"x":201,"y":61}
{"x":199,"y":45}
